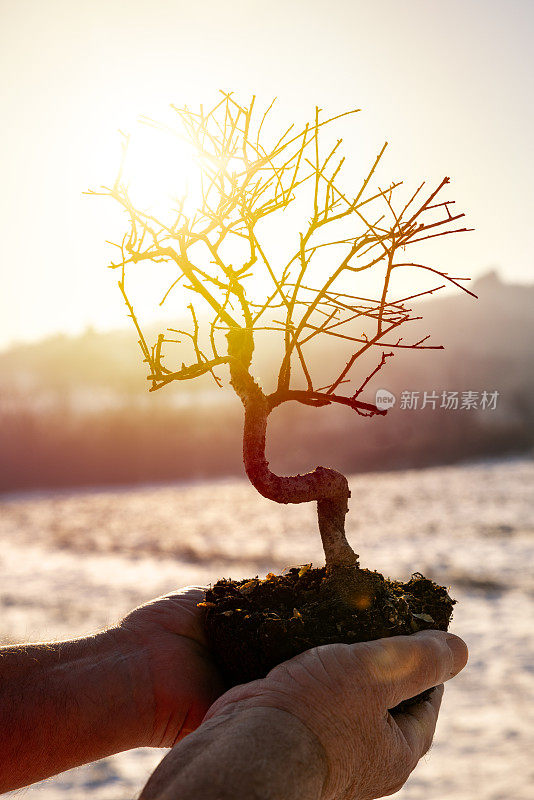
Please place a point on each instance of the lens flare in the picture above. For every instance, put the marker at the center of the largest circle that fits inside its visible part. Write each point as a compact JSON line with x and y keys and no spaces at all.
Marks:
{"x":162,"y":173}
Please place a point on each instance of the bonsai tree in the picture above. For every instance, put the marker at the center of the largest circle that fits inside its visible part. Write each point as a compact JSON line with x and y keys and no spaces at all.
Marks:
{"x":251,"y":181}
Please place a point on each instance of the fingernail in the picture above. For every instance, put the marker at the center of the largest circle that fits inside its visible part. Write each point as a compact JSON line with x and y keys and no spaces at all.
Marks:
{"x":459,"y":652}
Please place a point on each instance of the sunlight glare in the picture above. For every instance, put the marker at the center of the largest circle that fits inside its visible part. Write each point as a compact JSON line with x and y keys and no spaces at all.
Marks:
{"x":161,"y":170}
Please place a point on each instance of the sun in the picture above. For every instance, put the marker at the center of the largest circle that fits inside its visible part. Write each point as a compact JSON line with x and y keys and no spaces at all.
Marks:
{"x":161,"y":173}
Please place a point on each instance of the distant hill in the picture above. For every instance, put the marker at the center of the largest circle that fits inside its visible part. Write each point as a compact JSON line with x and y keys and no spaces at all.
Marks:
{"x":75,"y":409}
{"x":499,"y":326}
{"x":500,"y":323}
{"x":487,"y":343}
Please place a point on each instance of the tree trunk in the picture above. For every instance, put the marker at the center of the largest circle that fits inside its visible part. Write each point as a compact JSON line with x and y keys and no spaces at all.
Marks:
{"x":327,"y":487}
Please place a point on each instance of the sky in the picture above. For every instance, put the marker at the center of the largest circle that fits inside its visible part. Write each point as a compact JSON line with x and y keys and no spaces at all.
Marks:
{"x":448,"y":85}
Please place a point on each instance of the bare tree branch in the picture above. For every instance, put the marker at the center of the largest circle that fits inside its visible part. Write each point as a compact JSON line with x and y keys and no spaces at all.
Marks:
{"x":222,"y":256}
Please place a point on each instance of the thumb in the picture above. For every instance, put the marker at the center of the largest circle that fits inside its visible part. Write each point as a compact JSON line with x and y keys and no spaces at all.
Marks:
{"x":403,"y":666}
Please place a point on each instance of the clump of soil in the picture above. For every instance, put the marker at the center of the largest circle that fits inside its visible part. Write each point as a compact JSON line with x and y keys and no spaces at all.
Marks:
{"x":253,"y":625}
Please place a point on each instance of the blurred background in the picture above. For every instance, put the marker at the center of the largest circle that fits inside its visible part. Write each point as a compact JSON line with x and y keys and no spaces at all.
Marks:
{"x":75,"y":409}
{"x":110,"y":495}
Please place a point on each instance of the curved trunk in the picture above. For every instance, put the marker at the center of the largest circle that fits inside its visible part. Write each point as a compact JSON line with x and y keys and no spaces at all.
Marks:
{"x":327,"y":487}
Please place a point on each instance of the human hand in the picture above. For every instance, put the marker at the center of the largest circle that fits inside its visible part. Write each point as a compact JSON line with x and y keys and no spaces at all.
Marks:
{"x":342,"y":694}
{"x":174,"y":680}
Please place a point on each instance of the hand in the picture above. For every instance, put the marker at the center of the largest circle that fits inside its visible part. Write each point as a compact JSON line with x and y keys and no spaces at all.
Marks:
{"x":342,"y":694}
{"x":182,"y":680}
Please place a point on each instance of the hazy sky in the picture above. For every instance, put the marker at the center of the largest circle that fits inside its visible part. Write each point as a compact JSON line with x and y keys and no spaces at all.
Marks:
{"x":448,"y":84}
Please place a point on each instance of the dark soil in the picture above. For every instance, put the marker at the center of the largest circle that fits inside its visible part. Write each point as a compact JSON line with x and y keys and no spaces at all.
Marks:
{"x":253,"y":625}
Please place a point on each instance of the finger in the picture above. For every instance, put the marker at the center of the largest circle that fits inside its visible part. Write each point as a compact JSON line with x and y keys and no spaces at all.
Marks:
{"x":193,"y":593}
{"x":187,"y":595}
{"x":418,"y":723}
{"x":403,"y":666}
{"x":183,"y":613}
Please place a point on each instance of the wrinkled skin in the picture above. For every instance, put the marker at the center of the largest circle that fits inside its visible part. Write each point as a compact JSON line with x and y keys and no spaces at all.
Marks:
{"x":342,"y":694}
{"x":184,"y":682}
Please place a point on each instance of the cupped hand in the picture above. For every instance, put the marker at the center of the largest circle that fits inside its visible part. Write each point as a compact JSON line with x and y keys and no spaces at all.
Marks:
{"x":182,"y":680}
{"x":342,"y":693}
